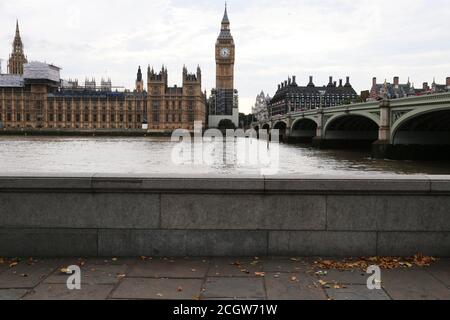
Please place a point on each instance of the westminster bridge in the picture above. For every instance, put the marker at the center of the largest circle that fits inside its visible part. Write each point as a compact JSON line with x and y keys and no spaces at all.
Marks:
{"x":406,"y":128}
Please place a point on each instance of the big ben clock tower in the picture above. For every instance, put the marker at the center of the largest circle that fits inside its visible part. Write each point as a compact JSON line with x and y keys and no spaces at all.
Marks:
{"x":225,"y":51}
{"x":223,"y":104}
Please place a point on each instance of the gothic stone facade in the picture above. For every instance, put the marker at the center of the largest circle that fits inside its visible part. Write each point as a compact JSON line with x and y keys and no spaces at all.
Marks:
{"x":260,"y":109}
{"x":224,"y":100}
{"x":17,"y":57}
{"x":45,"y":104}
{"x":31,"y":99}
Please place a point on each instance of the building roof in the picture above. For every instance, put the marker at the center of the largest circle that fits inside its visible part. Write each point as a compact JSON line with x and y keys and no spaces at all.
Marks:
{"x":225,"y":16}
{"x":11,"y":81}
{"x":399,"y":91}
{"x":291,"y":88}
{"x":225,"y":33}
{"x":41,"y":71}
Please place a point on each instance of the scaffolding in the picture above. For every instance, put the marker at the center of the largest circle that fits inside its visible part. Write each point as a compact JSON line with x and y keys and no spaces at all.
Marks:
{"x":223,"y":102}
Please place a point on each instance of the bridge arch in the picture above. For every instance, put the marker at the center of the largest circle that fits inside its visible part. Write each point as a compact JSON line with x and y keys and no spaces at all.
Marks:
{"x":352,"y":129}
{"x":430,"y":126}
{"x":304,"y":129}
{"x":282,"y":127}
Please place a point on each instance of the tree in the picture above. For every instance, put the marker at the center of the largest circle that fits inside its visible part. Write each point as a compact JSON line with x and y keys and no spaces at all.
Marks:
{"x":226,"y":124}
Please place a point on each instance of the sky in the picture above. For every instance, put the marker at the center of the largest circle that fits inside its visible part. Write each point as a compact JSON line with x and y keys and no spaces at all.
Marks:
{"x":274,"y":39}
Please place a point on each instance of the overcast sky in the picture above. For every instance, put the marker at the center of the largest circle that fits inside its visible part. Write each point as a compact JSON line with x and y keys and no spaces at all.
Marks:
{"x":274,"y":39}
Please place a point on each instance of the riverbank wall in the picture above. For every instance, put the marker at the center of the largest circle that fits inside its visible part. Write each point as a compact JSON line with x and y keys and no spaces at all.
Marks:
{"x":85,"y":132}
{"x":120,"y":216}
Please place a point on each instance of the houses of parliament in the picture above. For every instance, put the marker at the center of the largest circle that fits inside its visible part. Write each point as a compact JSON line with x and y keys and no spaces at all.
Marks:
{"x":33,"y":96}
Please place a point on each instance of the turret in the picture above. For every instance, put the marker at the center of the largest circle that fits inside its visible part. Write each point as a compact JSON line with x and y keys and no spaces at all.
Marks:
{"x":199,"y":73}
{"x":17,"y":58}
{"x":139,"y":81}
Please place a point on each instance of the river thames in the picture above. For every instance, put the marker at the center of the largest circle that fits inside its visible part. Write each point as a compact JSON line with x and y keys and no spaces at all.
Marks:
{"x":86,"y":155}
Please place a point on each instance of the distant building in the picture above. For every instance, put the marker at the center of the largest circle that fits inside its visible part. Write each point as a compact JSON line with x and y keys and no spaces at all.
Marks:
{"x":440,"y":88}
{"x":260,"y":110}
{"x":397,"y":90}
{"x":175,"y":107}
{"x":34,"y":96}
{"x":365,"y":95}
{"x":391,"y":90}
{"x":290,"y":97}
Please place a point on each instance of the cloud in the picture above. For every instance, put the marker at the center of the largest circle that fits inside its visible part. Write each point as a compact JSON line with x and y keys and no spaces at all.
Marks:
{"x":360,"y":39}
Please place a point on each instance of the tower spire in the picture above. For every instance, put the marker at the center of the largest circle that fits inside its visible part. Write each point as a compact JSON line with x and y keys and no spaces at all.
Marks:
{"x":17,"y":58}
{"x":225,"y":29}
{"x":225,"y":19}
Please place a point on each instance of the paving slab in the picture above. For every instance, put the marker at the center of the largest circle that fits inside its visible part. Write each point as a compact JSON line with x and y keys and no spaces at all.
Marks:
{"x":60,"y":292}
{"x":345,"y":277}
{"x":240,"y":287}
{"x":356,"y":292}
{"x":26,"y":274}
{"x":285,"y":265}
{"x":237,"y":267}
{"x":413,"y":284}
{"x":293,"y":286}
{"x":157,"y":289}
{"x":12,"y":294}
{"x":441,"y":271}
{"x":114,"y":261}
{"x":92,"y":274}
{"x":192,"y":268}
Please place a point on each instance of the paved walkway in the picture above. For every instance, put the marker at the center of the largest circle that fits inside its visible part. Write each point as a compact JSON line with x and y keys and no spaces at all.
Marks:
{"x":216,"y":278}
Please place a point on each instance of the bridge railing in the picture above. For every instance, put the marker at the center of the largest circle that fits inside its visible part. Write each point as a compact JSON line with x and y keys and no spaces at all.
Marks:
{"x":400,"y":102}
{"x":419,"y":100}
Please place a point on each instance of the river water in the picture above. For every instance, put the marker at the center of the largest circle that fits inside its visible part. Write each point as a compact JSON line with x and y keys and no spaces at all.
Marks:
{"x":87,"y":155}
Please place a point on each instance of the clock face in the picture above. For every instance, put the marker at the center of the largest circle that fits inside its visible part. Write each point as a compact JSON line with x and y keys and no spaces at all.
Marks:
{"x":225,"y":52}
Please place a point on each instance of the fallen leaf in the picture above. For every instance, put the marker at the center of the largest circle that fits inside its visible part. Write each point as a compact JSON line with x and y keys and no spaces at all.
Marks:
{"x":260,"y":274}
{"x":383,"y":262}
{"x":64,"y":270}
{"x":293,"y":278}
{"x":323,"y":283}
{"x":13,"y":264}
{"x":121,"y":275}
